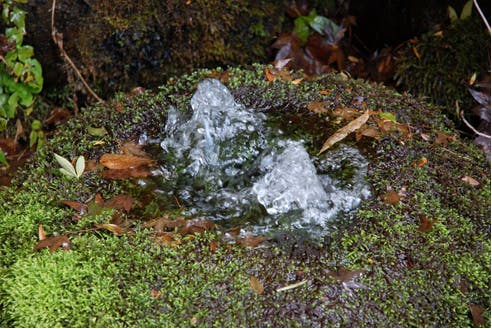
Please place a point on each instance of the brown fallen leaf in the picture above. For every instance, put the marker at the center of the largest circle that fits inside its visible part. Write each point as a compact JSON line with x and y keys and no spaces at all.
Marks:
{"x":54,"y":242}
{"x":368,"y":131}
{"x":196,"y":226}
{"x":79,"y":207}
{"x":256,"y":285}
{"x":132,"y":148}
{"x":124,"y":161}
{"x":120,"y":202}
{"x":319,"y":107}
{"x":347,"y":277}
{"x":425,"y":224}
{"x":470,"y":180}
{"x":251,"y":240}
{"x":41,"y":232}
{"x":477,"y":315}
{"x":138,"y":172}
{"x":113,"y":228}
{"x":167,"y":239}
{"x":341,"y":133}
{"x":390,"y":197}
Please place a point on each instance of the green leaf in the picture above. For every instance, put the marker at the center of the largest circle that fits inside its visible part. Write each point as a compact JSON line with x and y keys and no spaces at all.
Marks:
{"x":301,"y":28}
{"x":33,"y":138}
{"x":2,"y":158}
{"x":18,"y":17}
{"x":452,"y":14}
{"x":66,"y":167}
{"x":12,"y":105}
{"x":80,"y":166}
{"x":388,"y":116}
{"x":95,"y":131}
{"x":467,"y":10}
{"x":25,"y":52}
{"x":15,"y":34}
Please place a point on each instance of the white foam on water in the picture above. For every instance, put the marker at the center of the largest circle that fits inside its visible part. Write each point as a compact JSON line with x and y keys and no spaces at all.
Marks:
{"x":241,"y":165}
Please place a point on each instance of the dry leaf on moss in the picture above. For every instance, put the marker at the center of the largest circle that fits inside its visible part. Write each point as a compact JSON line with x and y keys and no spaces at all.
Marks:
{"x":341,"y":133}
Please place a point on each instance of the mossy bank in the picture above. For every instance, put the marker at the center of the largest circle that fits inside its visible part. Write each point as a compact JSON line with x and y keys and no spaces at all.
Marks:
{"x":422,"y":261}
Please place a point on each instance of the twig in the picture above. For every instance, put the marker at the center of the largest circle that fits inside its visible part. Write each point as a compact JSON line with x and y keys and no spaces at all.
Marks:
{"x":58,"y":39}
{"x":472,"y":128}
{"x":460,"y":114}
{"x":481,"y":14}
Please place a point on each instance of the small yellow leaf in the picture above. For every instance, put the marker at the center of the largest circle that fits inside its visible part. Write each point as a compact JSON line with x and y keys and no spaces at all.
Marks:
{"x":341,"y":133}
{"x":256,"y":285}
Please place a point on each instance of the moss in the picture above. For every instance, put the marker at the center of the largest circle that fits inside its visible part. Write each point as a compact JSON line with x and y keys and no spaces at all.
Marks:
{"x":410,"y":278}
{"x":445,"y":64}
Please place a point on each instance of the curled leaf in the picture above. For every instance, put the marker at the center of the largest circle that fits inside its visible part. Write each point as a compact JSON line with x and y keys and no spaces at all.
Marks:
{"x":341,"y":133}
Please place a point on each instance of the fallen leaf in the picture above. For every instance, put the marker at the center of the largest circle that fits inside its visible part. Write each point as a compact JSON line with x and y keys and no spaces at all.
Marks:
{"x":138,"y":172}
{"x":390,"y":197}
{"x":256,"y":285}
{"x":291,"y":286}
{"x":113,"y":228}
{"x":213,"y":246}
{"x":132,"y":148}
{"x":167,"y":239}
{"x":416,"y":52}
{"x":443,"y":139}
{"x":41,"y":232}
{"x":425,"y":224}
{"x":53,"y":243}
{"x":281,"y":63}
{"x":347,"y":277}
{"x":196,"y":226}
{"x":80,"y":208}
{"x":124,"y":161}
{"x":347,"y":113}
{"x":319,"y":107}
{"x":120,"y":202}
{"x":368,"y":131}
{"x":341,"y":133}
{"x":470,"y":180}
{"x":250,"y":240}
{"x":477,"y":315}
{"x":421,"y":162}
{"x":425,"y":137}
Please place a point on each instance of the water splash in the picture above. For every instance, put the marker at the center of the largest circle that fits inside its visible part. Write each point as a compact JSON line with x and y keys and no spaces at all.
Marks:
{"x":226,"y":164}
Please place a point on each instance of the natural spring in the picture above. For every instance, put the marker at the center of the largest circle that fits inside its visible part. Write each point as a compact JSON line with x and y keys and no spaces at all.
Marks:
{"x":227,"y":163}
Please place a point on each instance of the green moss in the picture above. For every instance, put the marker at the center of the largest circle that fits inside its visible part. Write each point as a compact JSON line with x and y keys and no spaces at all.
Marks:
{"x":445,"y":64}
{"x":411,"y":278}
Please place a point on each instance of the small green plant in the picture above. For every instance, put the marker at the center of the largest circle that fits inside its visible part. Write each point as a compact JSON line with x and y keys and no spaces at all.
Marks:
{"x":36,"y":137}
{"x":67,"y":167}
{"x":20,"y":73}
{"x":304,"y":25}
{"x":465,"y":12}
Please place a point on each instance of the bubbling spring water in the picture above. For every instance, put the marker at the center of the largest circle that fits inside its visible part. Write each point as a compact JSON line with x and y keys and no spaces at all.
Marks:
{"x":225,"y":164}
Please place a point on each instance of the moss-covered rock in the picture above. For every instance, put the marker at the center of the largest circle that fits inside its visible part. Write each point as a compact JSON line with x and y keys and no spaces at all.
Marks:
{"x":423,"y":261}
{"x":121,"y":44}
{"x":439,"y":65}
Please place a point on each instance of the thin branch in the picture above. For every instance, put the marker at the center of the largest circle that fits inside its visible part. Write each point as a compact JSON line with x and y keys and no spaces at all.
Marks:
{"x":58,"y":39}
{"x":472,"y":128}
{"x":481,"y":14}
